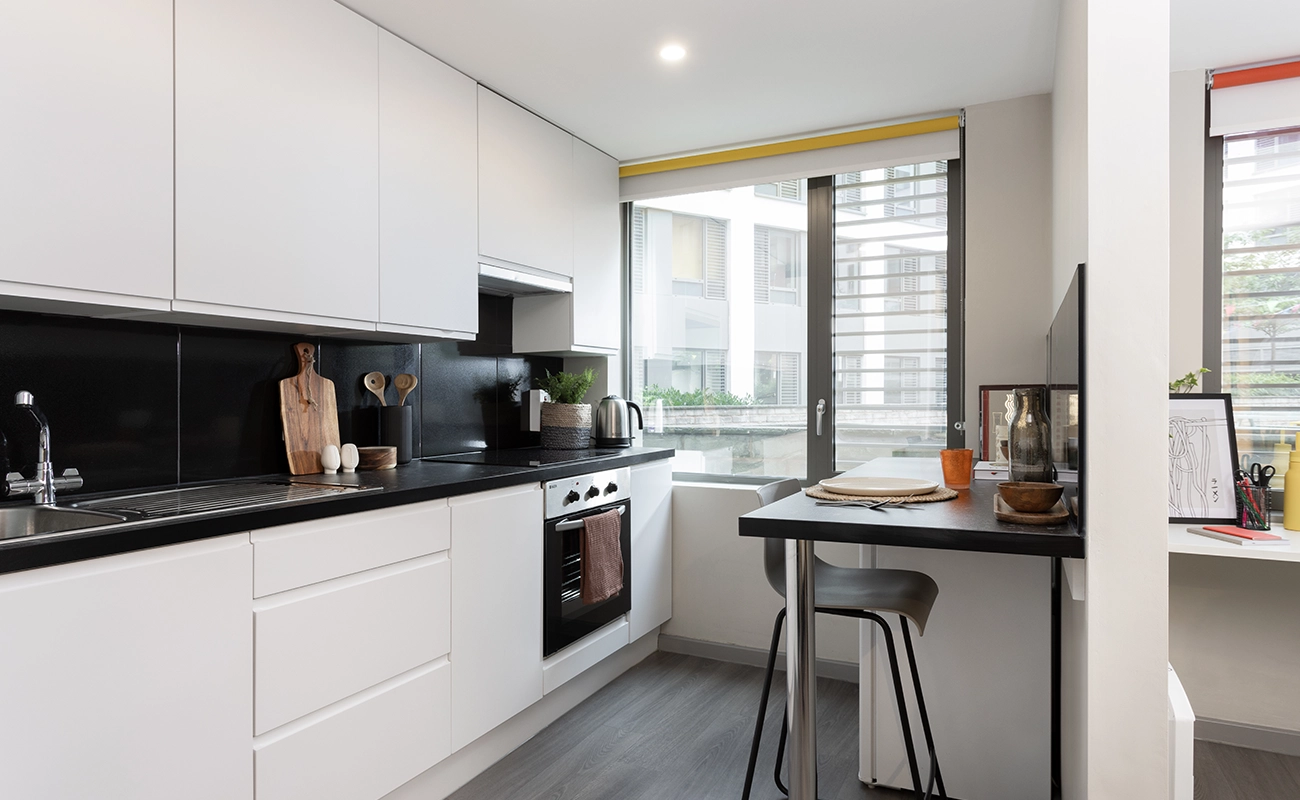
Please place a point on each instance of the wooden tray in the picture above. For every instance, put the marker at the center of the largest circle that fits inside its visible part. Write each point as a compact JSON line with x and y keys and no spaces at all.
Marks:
{"x":1056,"y":515}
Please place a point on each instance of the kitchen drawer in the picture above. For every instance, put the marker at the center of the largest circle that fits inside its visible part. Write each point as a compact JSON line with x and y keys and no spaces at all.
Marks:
{"x":320,"y":644}
{"x":309,"y":552}
{"x":364,"y":748}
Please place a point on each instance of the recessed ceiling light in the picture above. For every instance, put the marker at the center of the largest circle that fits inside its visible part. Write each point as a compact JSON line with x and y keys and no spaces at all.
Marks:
{"x":673,"y":52}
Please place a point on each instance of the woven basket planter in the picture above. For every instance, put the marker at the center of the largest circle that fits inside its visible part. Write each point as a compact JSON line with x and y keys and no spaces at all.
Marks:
{"x":566,"y":426}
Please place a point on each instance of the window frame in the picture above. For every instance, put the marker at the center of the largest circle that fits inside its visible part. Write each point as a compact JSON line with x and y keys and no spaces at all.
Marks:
{"x":1212,"y":350}
{"x":818,"y":266}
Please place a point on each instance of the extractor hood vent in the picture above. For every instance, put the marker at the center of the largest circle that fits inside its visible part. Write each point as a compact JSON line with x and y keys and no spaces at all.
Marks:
{"x":508,"y":282}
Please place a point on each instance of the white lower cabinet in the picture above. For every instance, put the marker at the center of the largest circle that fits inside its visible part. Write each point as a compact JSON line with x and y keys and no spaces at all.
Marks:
{"x":363,"y":748}
{"x":652,"y":547}
{"x":353,"y":632}
{"x":129,"y":676}
{"x":496,"y":608}
{"x":321,"y":644}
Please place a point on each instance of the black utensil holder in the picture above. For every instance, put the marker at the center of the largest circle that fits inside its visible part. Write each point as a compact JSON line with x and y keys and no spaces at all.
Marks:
{"x":395,"y":430}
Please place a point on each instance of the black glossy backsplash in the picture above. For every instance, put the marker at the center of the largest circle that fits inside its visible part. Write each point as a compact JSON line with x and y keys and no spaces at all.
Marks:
{"x":134,"y":404}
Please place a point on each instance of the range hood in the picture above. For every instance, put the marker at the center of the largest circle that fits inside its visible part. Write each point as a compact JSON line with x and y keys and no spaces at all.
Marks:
{"x":511,"y":282}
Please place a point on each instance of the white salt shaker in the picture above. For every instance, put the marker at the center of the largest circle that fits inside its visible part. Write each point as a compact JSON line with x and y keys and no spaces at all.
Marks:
{"x":330,"y":459}
{"x":349,"y":457}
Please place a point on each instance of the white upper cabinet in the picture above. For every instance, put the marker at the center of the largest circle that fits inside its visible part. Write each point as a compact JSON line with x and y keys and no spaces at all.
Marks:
{"x":428,"y":193}
{"x":277,"y":161}
{"x":525,"y":201}
{"x":86,"y":150}
{"x":597,"y":312}
{"x":588,"y":320}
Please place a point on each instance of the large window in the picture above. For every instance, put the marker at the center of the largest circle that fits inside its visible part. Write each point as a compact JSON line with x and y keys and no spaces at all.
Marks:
{"x":1261,"y":291}
{"x":730,"y":377}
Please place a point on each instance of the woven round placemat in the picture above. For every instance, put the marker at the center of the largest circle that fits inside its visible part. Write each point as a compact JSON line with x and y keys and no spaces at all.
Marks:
{"x":937,"y":496}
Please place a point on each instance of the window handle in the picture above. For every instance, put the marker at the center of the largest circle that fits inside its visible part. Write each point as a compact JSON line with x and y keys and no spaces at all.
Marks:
{"x":821,"y":412}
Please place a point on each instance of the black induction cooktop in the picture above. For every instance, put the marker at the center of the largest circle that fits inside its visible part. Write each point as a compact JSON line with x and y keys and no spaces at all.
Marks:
{"x":528,"y":456}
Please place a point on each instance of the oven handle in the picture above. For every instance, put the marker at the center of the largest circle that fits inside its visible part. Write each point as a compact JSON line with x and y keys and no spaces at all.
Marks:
{"x":574,"y":524}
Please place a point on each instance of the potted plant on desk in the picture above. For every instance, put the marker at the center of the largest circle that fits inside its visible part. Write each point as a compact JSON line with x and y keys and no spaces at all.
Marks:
{"x":566,"y":420}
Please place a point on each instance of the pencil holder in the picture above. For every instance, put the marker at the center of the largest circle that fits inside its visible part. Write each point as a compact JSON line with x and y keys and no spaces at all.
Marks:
{"x":1252,"y":507}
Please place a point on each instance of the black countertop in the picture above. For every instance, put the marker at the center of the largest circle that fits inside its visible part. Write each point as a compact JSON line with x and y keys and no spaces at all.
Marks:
{"x":411,"y":483}
{"x":966,"y":523}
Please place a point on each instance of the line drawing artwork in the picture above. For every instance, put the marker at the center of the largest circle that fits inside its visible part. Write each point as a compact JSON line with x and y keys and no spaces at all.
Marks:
{"x":1196,"y":487}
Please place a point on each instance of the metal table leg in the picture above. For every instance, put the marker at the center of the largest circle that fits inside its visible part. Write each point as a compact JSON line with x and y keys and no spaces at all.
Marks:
{"x":800,"y":604}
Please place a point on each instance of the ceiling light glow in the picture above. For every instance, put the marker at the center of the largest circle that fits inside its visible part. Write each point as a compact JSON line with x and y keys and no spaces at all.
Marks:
{"x":673,"y":52}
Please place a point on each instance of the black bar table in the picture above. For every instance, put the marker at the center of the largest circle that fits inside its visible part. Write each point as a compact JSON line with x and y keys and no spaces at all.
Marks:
{"x":966,"y":523}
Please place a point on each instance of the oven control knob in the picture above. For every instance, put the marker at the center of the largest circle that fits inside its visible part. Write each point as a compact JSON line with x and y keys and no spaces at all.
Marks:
{"x":593,"y":492}
{"x":611,"y":488}
{"x":571,"y":497}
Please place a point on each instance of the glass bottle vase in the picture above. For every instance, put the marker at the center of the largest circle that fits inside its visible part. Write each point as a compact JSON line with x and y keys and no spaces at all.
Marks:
{"x":1030,"y":438}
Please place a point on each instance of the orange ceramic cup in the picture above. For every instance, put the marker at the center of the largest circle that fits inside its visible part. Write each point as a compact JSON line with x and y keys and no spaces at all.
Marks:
{"x":956,"y":468}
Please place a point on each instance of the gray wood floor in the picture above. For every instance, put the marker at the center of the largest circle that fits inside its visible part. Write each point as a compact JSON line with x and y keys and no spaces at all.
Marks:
{"x":678,"y":728}
{"x":675,"y":728}
{"x":1235,"y":773}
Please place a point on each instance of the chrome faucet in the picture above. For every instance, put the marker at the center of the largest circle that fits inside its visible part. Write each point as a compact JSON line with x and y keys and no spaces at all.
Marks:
{"x":43,"y":485}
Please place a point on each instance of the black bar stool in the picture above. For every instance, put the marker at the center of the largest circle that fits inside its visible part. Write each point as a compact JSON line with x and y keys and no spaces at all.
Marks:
{"x":853,"y":592}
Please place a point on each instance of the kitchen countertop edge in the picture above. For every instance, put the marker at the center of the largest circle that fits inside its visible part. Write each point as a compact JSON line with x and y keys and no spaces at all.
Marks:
{"x":416,"y":482}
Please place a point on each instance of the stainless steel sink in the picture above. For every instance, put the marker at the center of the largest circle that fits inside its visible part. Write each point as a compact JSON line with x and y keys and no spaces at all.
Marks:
{"x":19,"y":521}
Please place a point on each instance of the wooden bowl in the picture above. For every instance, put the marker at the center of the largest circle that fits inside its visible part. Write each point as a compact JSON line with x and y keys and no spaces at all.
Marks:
{"x":1029,"y":497}
{"x":376,"y":457}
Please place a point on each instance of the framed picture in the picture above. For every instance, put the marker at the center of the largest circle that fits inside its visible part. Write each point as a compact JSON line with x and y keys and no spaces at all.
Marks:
{"x":1202,"y":459}
{"x":996,"y":405}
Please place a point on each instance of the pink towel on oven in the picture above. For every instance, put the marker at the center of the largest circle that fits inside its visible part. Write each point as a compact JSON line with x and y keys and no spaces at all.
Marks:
{"x":602,"y":557}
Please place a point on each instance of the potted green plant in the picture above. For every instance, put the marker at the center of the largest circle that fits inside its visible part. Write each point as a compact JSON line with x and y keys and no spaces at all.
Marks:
{"x":566,"y":420}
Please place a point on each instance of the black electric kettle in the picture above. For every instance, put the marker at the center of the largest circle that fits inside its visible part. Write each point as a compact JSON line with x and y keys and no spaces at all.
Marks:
{"x":613,"y":424}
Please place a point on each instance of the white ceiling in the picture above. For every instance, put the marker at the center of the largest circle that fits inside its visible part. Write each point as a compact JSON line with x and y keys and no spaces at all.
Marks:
{"x":754,"y":70}
{"x":1207,"y":34}
{"x":763,"y":69}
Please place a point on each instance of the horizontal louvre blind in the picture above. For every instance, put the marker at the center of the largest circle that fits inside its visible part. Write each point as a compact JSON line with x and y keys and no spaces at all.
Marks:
{"x":1261,"y":290}
{"x":762,"y":265}
{"x":890,"y":312}
{"x":638,"y":249}
{"x":715,"y":259}
{"x":715,"y":370}
{"x":788,"y":379}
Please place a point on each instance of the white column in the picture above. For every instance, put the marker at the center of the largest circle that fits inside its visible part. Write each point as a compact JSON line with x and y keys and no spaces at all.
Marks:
{"x":740,"y":293}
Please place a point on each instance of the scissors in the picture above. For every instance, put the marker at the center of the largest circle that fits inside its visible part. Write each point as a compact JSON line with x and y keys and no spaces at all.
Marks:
{"x":1261,"y":475}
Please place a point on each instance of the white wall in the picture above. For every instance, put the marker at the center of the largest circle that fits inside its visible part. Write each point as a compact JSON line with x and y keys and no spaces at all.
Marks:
{"x":1009,"y":308}
{"x":1234,"y":638}
{"x":1186,"y":221}
{"x":1069,"y":248}
{"x":720,"y":593}
{"x":1069,"y":146}
{"x":1127,"y":332}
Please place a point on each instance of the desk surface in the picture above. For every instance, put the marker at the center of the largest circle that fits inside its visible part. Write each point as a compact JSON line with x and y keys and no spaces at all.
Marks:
{"x":966,"y":523}
{"x":1180,"y":541}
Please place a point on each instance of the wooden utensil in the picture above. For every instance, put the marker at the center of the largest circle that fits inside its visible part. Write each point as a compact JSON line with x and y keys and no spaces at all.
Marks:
{"x":375,"y":383}
{"x":405,"y":383}
{"x":377,"y":457}
{"x":1056,"y":515}
{"x":308,"y":412}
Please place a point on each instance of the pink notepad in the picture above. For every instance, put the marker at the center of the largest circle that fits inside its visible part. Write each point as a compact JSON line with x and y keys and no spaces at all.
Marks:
{"x":1231,"y":533}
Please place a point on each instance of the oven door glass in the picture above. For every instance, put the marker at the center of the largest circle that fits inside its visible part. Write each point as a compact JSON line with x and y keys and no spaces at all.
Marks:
{"x":566,"y":618}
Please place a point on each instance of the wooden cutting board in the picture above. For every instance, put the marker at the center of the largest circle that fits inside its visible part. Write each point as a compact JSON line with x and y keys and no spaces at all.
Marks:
{"x":309,"y":413}
{"x":1056,"y":515}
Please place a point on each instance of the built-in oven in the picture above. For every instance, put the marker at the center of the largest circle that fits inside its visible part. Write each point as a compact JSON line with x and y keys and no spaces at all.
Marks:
{"x":568,"y":502}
